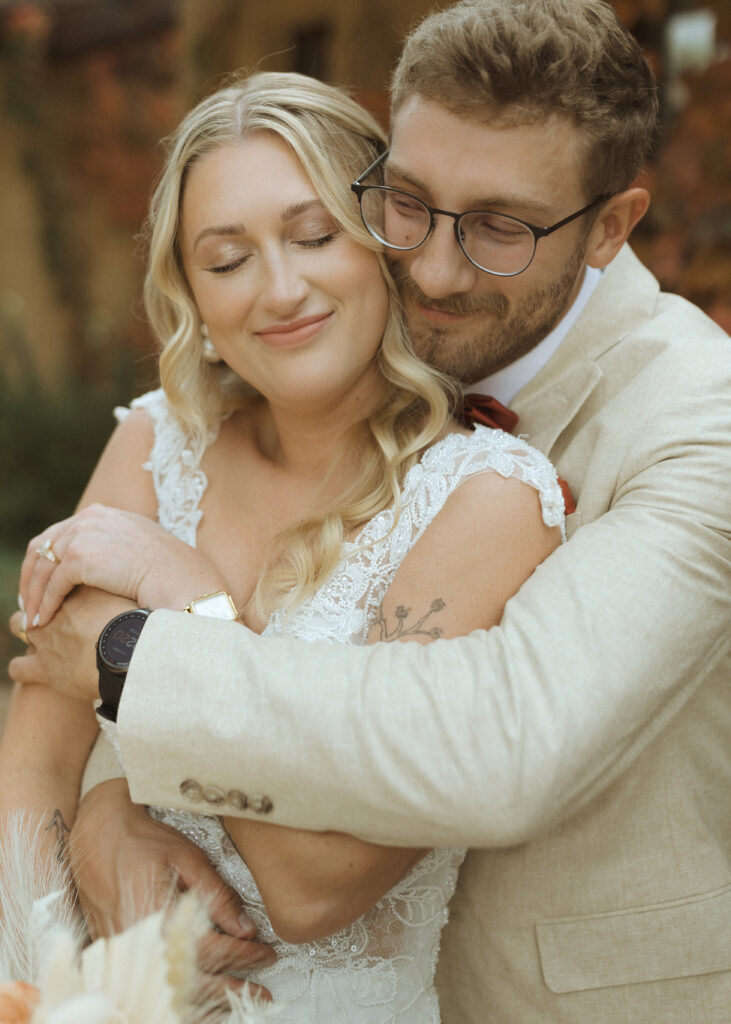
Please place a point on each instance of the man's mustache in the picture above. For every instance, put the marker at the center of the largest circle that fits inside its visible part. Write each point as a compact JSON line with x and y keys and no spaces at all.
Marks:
{"x":462,"y":305}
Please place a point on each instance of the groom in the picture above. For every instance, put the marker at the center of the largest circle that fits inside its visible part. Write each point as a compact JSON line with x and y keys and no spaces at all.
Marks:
{"x":581,"y":748}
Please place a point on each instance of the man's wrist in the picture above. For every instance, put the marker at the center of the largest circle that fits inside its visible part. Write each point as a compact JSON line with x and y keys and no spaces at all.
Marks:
{"x":92,"y":610}
{"x":114,"y":651}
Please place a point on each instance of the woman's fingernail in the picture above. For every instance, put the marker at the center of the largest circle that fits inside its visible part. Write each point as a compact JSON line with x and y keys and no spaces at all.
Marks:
{"x":24,"y":621}
{"x":36,"y":619}
{"x":247,"y":924}
{"x":21,"y":605}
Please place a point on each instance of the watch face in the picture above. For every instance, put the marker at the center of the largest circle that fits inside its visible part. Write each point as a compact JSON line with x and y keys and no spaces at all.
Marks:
{"x":119,"y":637}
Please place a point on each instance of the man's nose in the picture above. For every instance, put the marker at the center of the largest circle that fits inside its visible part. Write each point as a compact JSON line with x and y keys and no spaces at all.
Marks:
{"x":438,"y":266}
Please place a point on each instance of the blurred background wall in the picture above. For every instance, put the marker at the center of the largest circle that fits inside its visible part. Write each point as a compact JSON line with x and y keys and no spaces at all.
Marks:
{"x":87,"y":90}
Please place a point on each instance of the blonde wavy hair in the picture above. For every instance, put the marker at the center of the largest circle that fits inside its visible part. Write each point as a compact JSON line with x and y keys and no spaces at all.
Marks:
{"x":335,"y":140}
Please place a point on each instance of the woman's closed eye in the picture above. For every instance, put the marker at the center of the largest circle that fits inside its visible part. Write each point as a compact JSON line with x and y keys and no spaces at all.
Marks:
{"x":314,"y":240}
{"x":317,"y":243}
{"x":227,"y":257}
{"x":226,"y":268}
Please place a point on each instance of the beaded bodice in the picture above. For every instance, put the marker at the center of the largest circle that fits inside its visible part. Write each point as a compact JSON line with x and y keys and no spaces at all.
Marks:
{"x":381,"y":967}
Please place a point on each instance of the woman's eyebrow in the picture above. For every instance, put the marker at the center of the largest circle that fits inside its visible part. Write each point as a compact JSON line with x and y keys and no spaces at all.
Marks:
{"x":295,"y":209}
{"x":287,"y":214}
{"x":220,"y":231}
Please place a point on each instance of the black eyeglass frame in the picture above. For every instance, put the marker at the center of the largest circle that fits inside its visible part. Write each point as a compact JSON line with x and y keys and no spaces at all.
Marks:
{"x":538,"y":233}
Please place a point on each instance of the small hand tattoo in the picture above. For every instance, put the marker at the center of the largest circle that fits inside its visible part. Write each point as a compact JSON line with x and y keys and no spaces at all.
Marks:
{"x":401,"y":629}
{"x":59,"y":826}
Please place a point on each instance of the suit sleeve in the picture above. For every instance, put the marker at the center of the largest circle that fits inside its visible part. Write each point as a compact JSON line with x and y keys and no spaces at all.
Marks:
{"x":101,"y":766}
{"x":479,"y":741}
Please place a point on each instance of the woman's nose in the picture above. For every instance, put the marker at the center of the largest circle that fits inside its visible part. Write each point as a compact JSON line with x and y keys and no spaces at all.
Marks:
{"x":284,"y":287}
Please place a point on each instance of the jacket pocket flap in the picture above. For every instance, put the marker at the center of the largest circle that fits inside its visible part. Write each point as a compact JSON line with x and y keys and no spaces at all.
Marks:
{"x":666,"y":940}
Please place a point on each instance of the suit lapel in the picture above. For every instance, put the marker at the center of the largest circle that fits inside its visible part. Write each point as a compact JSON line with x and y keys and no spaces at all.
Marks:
{"x":545,"y":414}
{"x":549,"y":402}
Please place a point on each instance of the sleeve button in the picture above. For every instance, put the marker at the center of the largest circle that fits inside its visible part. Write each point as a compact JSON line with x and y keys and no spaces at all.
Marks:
{"x":191,"y":789}
{"x":213,"y":795}
{"x":261,"y":804}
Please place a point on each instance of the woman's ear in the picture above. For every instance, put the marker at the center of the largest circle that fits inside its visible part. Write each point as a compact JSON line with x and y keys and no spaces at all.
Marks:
{"x":614,"y":225}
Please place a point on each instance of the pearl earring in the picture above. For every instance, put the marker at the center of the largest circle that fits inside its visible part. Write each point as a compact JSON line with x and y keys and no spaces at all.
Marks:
{"x":210,"y":352}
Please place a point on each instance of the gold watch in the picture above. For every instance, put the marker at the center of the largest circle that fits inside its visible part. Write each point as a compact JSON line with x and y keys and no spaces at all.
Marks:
{"x":218,"y":606}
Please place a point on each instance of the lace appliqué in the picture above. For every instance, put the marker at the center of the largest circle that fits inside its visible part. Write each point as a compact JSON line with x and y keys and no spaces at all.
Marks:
{"x":344,"y":608}
{"x":179,"y":482}
{"x":380,"y":969}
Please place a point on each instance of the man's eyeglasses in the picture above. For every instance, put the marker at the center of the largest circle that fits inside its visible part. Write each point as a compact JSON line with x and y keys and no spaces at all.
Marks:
{"x":493,"y":242}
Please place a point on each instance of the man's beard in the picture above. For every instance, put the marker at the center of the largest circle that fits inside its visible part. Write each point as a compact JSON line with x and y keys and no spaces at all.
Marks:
{"x":474,"y":350}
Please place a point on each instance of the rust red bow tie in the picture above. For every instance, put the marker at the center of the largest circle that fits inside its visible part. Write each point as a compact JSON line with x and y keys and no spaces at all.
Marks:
{"x":487,"y":411}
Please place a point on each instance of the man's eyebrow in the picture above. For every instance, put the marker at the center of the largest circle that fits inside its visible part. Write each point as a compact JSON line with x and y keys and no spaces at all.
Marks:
{"x":505,"y":200}
{"x":228,"y":230}
{"x":399,"y":172}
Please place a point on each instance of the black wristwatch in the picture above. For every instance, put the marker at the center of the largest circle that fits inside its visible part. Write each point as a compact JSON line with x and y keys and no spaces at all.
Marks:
{"x":114,"y":650}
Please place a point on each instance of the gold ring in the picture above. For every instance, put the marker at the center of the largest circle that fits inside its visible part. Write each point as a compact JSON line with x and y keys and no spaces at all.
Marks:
{"x":24,"y":636}
{"x":46,"y":551}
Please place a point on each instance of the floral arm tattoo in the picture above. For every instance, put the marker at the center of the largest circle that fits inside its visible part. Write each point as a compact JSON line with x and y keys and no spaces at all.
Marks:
{"x":59,"y":826}
{"x":403,"y":629}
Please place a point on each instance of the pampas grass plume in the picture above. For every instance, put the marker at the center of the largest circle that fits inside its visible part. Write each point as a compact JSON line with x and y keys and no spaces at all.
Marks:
{"x":144,"y":975}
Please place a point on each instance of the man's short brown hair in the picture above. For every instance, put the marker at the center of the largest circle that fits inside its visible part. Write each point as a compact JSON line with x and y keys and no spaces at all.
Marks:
{"x":519,"y":61}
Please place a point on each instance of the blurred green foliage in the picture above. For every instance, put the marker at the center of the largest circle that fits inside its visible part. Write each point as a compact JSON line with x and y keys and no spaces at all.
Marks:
{"x":50,"y":440}
{"x":10,"y":560}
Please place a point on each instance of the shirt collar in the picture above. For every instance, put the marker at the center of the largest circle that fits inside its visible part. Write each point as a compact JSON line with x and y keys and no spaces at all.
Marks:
{"x":506,"y":383}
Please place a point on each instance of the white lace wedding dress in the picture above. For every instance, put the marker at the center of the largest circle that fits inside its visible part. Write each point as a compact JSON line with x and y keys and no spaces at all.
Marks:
{"x":380,"y":969}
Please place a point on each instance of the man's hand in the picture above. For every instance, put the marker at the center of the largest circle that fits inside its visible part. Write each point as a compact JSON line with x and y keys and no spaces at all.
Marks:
{"x":127,"y":866}
{"x":61,"y":654}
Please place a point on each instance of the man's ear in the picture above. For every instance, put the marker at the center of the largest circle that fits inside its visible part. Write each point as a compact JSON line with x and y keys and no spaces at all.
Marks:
{"x":614,"y":225}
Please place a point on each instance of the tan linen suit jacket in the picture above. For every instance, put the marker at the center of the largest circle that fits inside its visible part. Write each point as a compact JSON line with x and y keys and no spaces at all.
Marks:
{"x":581,"y":747}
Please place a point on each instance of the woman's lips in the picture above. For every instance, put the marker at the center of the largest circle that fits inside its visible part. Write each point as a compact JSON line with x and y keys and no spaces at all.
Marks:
{"x":293,"y":333}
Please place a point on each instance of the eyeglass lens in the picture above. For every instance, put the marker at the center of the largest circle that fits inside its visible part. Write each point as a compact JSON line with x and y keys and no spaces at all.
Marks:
{"x":495,"y":243}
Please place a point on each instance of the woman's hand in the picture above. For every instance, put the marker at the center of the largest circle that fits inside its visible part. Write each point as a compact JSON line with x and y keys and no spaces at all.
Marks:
{"x":126,"y":865}
{"x":61,"y":655}
{"x":117,"y":551}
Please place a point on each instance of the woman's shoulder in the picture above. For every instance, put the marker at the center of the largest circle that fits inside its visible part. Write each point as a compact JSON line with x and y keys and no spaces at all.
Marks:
{"x":499,"y":457}
{"x":170,"y":439}
{"x":488,"y":445}
{"x":120,"y":476}
{"x":480,"y":511}
{"x":171,"y":458}
{"x":153,"y":403}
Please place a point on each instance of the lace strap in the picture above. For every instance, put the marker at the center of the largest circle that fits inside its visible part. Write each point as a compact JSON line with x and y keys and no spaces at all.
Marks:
{"x":177,"y":477}
{"x":449,"y":463}
{"x":461,"y":456}
{"x":430,"y":483}
{"x":345,"y":607}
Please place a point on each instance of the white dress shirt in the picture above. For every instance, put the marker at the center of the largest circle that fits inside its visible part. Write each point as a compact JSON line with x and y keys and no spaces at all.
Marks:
{"x":506,"y":383}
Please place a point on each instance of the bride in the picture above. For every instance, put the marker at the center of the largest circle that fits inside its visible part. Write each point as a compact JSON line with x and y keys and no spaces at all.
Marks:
{"x":302,"y":461}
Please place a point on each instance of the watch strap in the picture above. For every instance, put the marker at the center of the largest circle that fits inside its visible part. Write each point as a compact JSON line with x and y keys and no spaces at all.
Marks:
{"x":111,"y":685}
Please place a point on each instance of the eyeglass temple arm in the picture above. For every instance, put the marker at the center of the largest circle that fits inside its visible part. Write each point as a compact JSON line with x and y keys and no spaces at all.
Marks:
{"x":358,"y":183}
{"x":542,"y":232}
